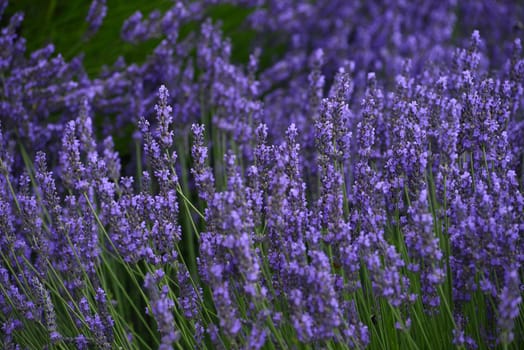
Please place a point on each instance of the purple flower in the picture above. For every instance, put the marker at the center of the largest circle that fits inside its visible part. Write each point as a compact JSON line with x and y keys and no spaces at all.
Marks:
{"x":510,"y":300}
{"x":162,"y":306}
{"x":227,"y":254}
{"x":204,"y":178}
{"x":96,"y":15}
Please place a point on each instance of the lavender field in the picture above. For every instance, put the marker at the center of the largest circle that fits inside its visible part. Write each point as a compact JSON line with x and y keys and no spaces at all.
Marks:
{"x":262,"y":174}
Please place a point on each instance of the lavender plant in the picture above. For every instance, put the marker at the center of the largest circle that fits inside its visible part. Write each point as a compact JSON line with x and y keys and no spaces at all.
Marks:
{"x":388,"y":214}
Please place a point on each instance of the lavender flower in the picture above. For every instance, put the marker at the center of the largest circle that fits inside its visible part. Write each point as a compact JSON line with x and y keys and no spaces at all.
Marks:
{"x":369,"y":212}
{"x":301,"y":275}
{"x":95,"y":16}
{"x":204,"y":178}
{"x":424,"y":249}
{"x":72,"y":167}
{"x":162,"y":309}
{"x":227,"y":254}
{"x":49,"y":311}
{"x":510,"y":299}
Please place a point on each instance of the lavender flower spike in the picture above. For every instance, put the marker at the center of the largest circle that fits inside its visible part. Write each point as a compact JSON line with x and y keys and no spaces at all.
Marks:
{"x":95,"y":17}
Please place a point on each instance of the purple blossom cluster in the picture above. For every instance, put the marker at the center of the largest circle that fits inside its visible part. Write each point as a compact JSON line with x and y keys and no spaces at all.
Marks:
{"x":42,"y":92}
{"x":374,"y":161}
{"x":95,"y":16}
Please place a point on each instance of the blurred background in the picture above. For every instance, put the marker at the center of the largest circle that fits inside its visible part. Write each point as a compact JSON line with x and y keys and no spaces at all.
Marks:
{"x":63,"y":24}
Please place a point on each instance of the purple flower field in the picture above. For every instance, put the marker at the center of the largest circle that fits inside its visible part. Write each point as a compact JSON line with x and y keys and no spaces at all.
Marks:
{"x":356,"y":183}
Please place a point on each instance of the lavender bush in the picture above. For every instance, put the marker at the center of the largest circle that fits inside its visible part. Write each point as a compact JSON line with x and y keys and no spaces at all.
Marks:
{"x":363,"y":188}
